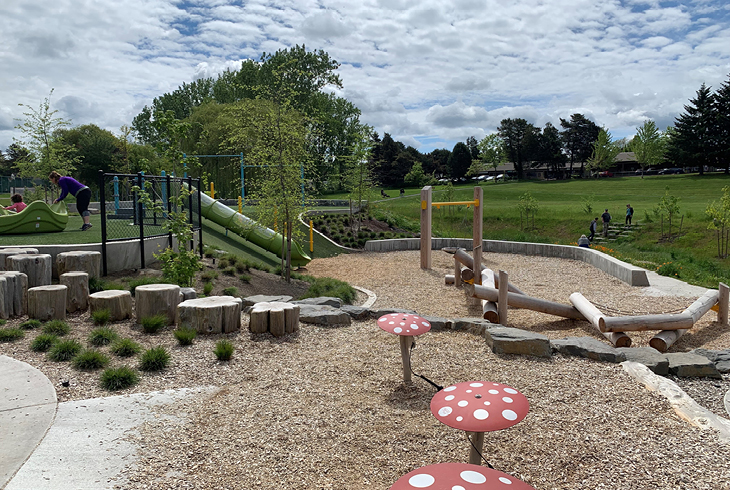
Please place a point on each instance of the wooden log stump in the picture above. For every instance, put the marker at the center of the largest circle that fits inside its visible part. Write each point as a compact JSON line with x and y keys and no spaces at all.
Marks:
{"x":16,"y":293}
{"x":489,"y":308}
{"x":666,"y":338}
{"x":214,"y":314}
{"x":38,"y":268}
{"x":47,"y":302}
{"x":85,"y":261}
{"x":157,"y":299}
{"x":77,"y":297}
{"x":7,"y":252}
{"x":276,"y":317}
{"x":119,"y":303}
{"x":4,"y":312}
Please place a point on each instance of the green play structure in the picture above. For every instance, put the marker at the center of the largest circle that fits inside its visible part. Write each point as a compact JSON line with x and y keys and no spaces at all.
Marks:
{"x":249,"y":230}
{"x":38,"y":217}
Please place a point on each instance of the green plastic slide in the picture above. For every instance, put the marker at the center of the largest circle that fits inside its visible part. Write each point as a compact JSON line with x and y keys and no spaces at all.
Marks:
{"x":250,"y":230}
{"x":38,"y":217}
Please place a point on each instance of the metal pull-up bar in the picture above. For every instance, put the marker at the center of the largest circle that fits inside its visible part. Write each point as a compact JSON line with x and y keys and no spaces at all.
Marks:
{"x":438,"y":205}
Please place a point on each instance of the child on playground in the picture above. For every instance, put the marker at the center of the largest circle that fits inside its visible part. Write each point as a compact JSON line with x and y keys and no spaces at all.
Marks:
{"x":69,"y":185}
{"x":18,"y":204}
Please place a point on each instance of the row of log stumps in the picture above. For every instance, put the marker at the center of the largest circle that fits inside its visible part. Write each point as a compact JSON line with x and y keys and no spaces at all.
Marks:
{"x":277,"y":318}
{"x":86,"y":261}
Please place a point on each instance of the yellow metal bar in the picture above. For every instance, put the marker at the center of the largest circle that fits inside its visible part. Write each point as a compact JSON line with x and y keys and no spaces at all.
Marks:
{"x":456,"y":203}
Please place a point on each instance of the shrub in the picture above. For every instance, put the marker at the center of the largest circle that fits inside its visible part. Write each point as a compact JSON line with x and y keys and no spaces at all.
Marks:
{"x":143,"y":281}
{"x":102,"y":336}
{"x":185,"y":335}
{"x":3,"y":322}
{"x":101,"y":317}
{"x":30,"y":324}
{"x":245,"y":278}
{"x":11,"y":334}
{"x":43,"y":342}
{"x":154,"y":359}
{"x":326,"y":286}
{"x":153,"y":324}
{"x":119,"y":378}
{"x":95,"y":284}
{"x":231,"y":291}
{"x":125,"y":347}
{"x":242,"y":266}
{"x":223,"y":350}
{"x":671,"y":269}
{"x":90,"y":360}
{"x":230,"y":271}
{"x":223,"y":263}
{"x":64,"y":350}
{"x":56,"y":327}
{"x":207,"y":288}
{"x":208,"y":276}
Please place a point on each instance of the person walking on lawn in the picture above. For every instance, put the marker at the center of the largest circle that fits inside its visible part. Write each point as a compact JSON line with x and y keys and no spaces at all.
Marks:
{"x":629,"y":214}
{"x":69,"y":185}
{"x":606,"y":217}
{"x":594,"y":225}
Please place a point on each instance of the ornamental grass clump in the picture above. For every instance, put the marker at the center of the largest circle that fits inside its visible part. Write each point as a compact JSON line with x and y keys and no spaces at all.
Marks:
{"x":30,"y":324}
{"x":101,"y":317}
{"x":102,"y":336}
{"x":154,"y":359}
{"x":90,"y":360}
{"x":11,"y":334}
{"x":64,"y":350}
{"x":114,"y":379}
{"x":56,"y":327}
{"x":231,"y":291}
{"x":43,"y":342}
{"x":208,"y":288}
{"x":223,"y":350}
{"x":185,"y":335}
{"x":125,"y":348}
{"x":153,"y":324}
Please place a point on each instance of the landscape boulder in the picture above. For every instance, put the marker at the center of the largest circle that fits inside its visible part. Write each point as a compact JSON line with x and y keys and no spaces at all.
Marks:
{"x":686,"y":365}
{"x":507,"y":340}
{"x":588,"y":347}
{"x":323,"y":315}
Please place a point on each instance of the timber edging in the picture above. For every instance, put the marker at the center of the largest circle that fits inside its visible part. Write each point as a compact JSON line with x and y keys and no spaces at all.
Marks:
{"x":630,"y":274}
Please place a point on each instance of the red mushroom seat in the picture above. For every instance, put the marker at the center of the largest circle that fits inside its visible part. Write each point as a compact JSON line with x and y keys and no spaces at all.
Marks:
{"x":405,"y":324}
{"x":458,"y":476}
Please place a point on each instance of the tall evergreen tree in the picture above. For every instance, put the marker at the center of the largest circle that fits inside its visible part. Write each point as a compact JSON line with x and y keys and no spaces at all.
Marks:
{"x":722,"y":125}
{"x":578,"y":136}
{"x":693,"y":140}
{"x":516,"y":134}
{"x":459,"y":160}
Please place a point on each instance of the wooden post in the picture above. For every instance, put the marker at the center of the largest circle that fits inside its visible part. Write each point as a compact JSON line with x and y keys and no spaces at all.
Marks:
{"x":666,"y":338}
{"x":426,"y":195}
{"x":594,"y":316}
{"x":503,"y":291}
{"x":457,"y":273}
{"x":489,"y":308}
{"x":47,"y":302}
{"x":477,"y":440}
{"x":722,"y":302}
{"x":77,"y":296}
{"x":477,"y":233}
{"x":405,"y":353}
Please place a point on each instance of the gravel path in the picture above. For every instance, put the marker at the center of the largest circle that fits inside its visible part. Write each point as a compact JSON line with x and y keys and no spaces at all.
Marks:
{"x":325,"y":408}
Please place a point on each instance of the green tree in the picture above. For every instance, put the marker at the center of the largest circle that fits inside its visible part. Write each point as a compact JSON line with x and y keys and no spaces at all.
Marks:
{"x":416,"y":177}
{"x":722,"y":125}
{"x":693,"y":140}
{"x":648,"y":145}
{"x":604,"y":152}
{"x":669,"y":207}
{"x":491,"y":154}
{"x":459,"y":160}
{"x":578,"y":136}
{"x":96,"y":148}
{"x":47,"y":150}
{"x":528,"y":206}
{"x":548,"y":149}
{"x":516,"y":134}
{"x":719,"y":214}
{"x":358,"y":179}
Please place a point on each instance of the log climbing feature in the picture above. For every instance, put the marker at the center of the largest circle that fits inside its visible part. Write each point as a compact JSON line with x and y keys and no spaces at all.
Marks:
{"x":529,"y":303}
{"x":157,"y":299}
{"x":38,"y":268}
{"x":85,"y":261}
{"x":47,"y":302}
{"x":275,"y":317}
{"x":467,"y":275}
{"x":594,"y":316}
{"x":214,"y":314}
{"x":664,"y":339}
{"x":119,"y":303}
{"x":7,"y":252}
{"x":15,"y":294}
{"x":77,"y":296}
{"x":489,"y":308}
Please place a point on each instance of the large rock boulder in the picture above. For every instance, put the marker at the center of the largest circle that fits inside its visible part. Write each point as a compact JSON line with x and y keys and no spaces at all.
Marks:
{"x":261,"y":298}
{"x":507,"y":340}
{"x":356,"y":312}
{"x":322,"y":301}
{"x":649,"y":357}
{"x":685,"y":364}
{"x":588,"y":347}
{"x":721,"y":358}
{"x":323,"y":315}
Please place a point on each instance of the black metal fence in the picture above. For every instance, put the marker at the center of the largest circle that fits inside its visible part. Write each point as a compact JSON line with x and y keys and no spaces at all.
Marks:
{"x":138,"y":206}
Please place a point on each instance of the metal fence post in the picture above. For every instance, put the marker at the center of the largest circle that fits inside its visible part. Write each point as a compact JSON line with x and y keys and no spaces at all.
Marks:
{"x":140,"y":213}
{"x":102,"y":206}
{"x":200,"y":220}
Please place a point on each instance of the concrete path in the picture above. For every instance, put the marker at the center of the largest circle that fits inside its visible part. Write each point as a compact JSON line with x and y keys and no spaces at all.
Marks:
{"x":27,"y":408}
{"x":668,"y":286}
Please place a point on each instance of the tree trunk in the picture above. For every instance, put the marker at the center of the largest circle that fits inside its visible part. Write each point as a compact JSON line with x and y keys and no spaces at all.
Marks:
{"x":47,"y":302}
{"x":89,"y":262}
{"x":154,"y":299}
{"x":119,"y":303}
{"x":77,"y":295}
{"x":37,"y":267}
{"x":214,"y":314}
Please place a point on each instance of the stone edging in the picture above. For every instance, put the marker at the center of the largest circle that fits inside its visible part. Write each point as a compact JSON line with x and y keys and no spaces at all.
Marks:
{"x":372,"y":297}
{"x":630,"y":274}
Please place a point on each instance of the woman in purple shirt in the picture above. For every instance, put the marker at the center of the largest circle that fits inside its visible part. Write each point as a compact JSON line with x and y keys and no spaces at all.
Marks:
{"x":82,"y":194}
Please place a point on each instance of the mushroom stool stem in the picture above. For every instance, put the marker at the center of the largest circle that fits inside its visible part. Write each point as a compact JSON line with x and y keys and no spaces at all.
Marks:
{"x":477,"y":444}
{"x":405,"y":352}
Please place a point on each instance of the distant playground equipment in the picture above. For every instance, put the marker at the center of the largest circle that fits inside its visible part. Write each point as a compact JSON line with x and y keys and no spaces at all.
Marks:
{"x":37,"y":217}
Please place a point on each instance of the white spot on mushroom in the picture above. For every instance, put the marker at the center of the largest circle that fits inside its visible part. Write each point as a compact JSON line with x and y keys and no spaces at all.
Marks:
{"x":445,"y":411}
{"x":507,"y":399}
{"x":468,"y":391}
{"x":504,"y":480}
{"x":421,"y":480}
{"x":481,"y":414}
{"x":473,"y":477}
{"x":459,"y":418}
{"x":476,"y":385}
{"x":463,"y":403}
{"x":426,"y":324}
{"x":458,"y":487}
{"x":487,"y":403}
{"x":450,"y":388}
{"x":511,"y":391}
{"x":509,"y":415}
{"x":494,"y":392}
{"x":449,"y":398}
{"x":397,"y":330}
{"x":391,"y":323}
{"x":414,"y":326}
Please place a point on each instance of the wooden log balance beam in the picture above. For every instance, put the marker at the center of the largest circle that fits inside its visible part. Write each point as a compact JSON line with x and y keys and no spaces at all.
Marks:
{"x":528,"y":303}
{"x":594,"y":316}
{"x":467,"y":275}
{"x":664,"y":339}
{"x":489,"y":308}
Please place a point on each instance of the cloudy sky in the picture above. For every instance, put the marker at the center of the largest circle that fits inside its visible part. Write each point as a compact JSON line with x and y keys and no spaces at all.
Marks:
{"x":428,"y":72}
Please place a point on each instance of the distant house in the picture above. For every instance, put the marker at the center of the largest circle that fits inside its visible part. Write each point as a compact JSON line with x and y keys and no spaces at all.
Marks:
{"x":626,"y":162}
